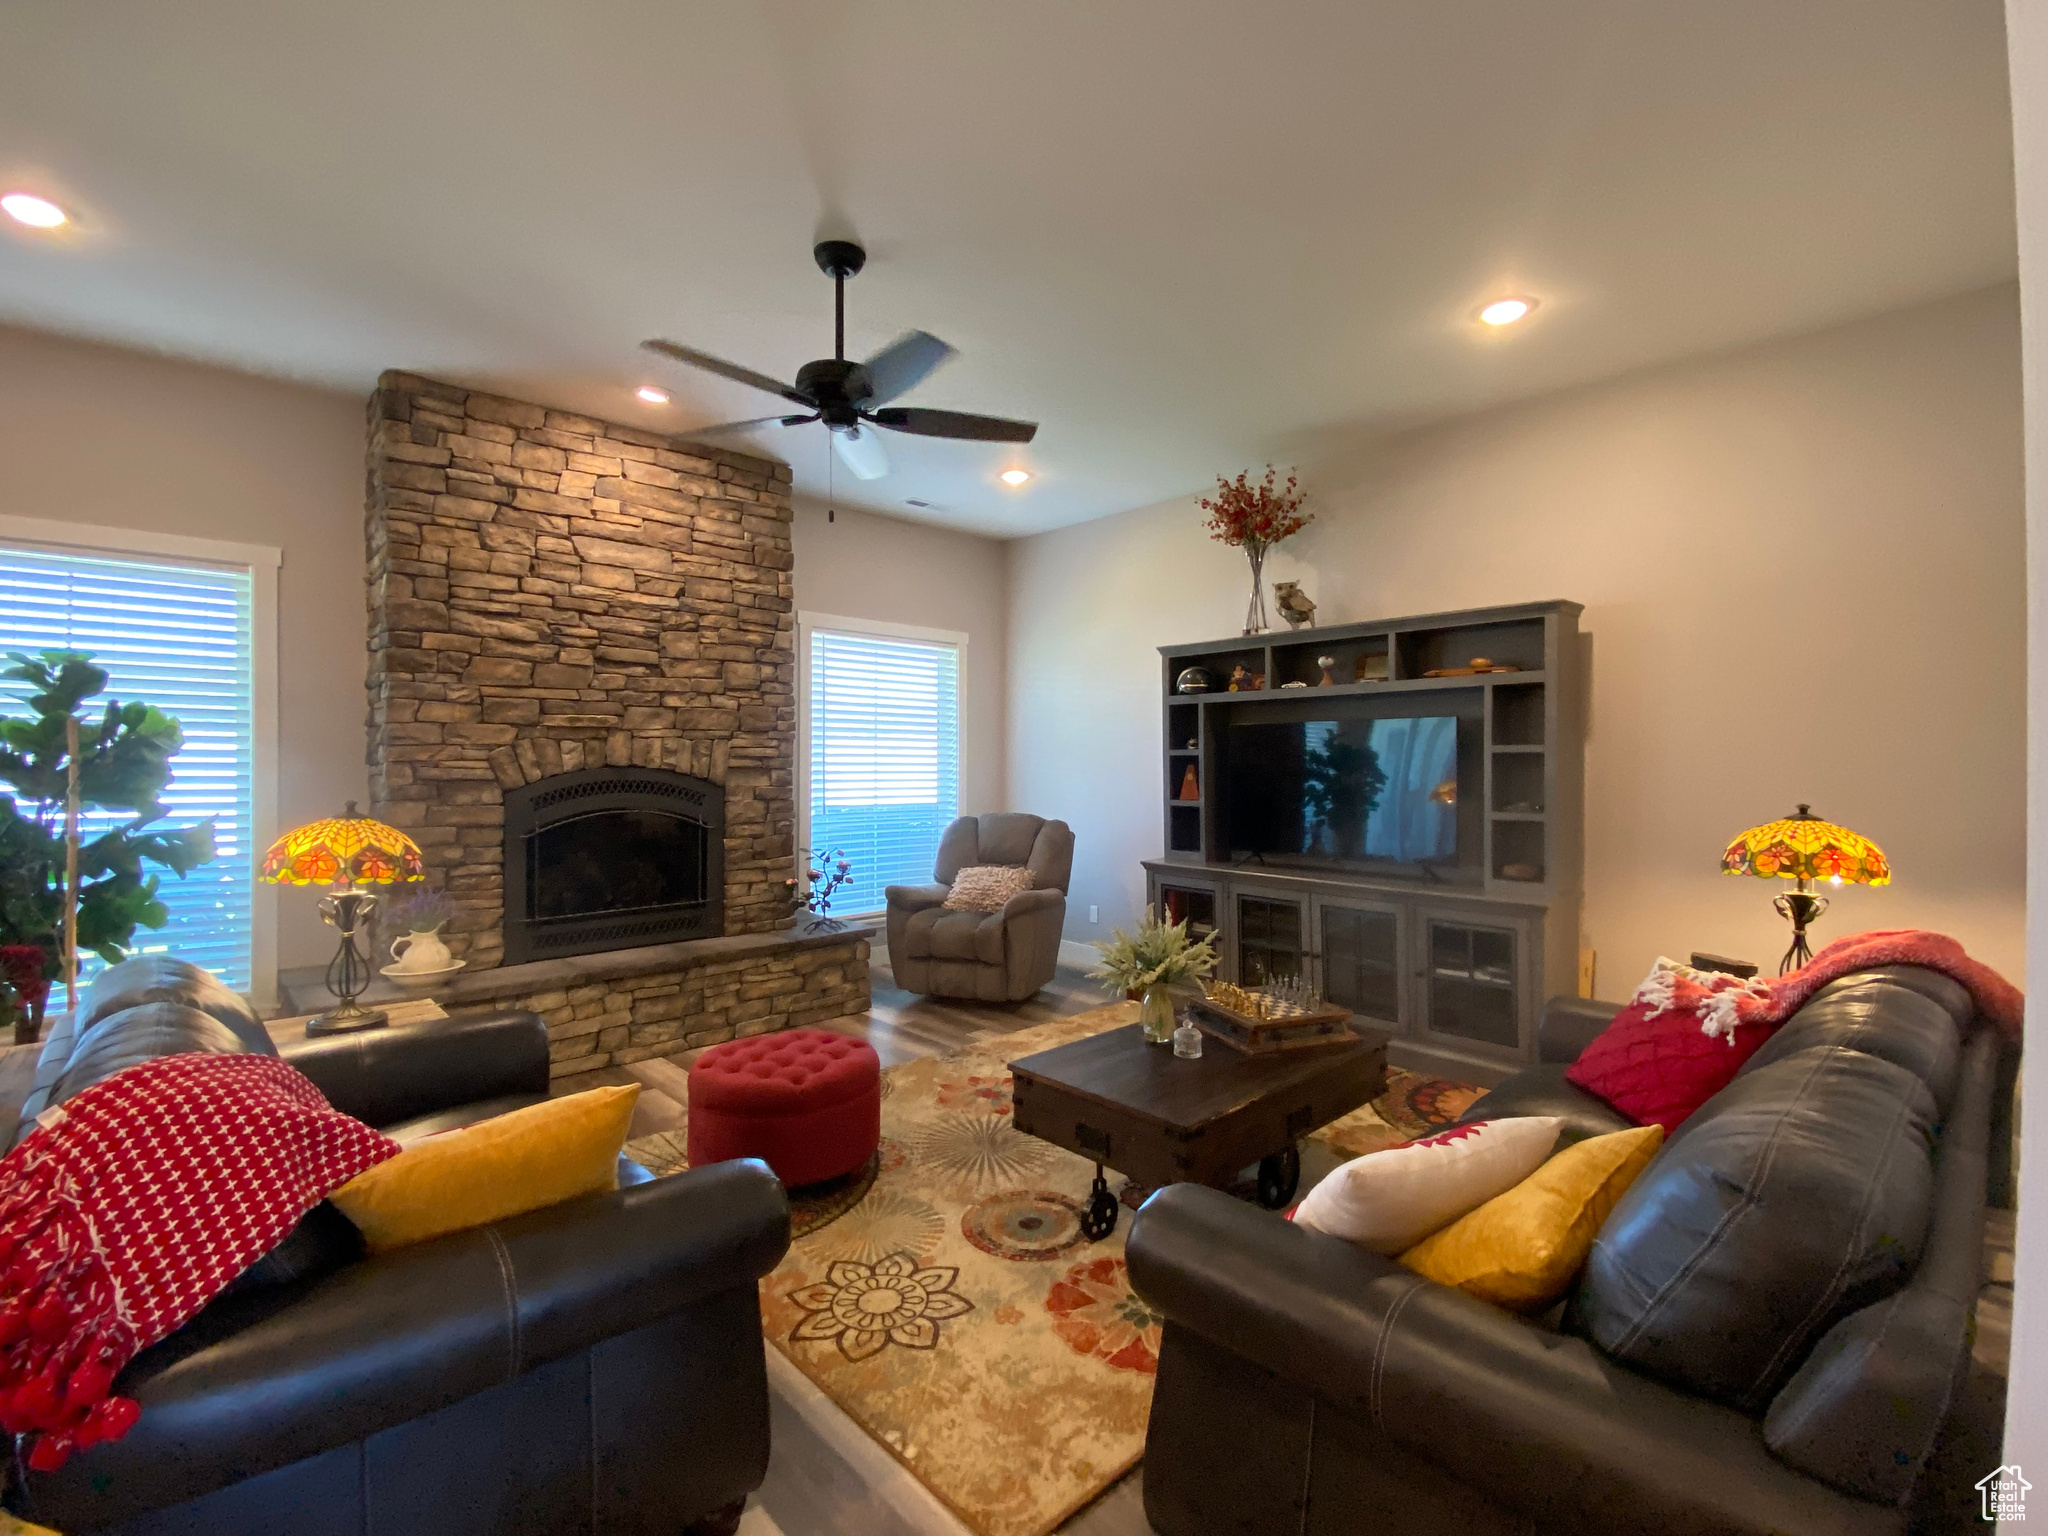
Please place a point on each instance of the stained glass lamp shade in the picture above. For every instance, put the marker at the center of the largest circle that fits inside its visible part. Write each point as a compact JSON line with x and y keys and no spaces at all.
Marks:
{"x":346,"y":852}
{"x":343,"y":850}
{"x":1803,"y":848}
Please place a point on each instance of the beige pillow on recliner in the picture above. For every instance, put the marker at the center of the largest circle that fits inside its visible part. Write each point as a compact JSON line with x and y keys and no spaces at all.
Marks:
{"x":987,"y":887}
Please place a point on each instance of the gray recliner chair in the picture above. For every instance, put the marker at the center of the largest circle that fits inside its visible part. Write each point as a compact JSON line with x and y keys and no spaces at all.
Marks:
{"x":993,"y":957}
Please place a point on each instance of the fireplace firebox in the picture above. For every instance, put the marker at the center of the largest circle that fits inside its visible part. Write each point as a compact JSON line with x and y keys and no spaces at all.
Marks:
{"x":612,"y":858}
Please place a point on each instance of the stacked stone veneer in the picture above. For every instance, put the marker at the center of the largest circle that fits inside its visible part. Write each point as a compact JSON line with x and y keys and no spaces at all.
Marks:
{"x":656,"y":1007}
{"x":550,"y":592}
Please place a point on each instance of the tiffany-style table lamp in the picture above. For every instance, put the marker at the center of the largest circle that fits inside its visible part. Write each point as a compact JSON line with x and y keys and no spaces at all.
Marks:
{"x":1803,"y":848}
{"x":346,"y":852}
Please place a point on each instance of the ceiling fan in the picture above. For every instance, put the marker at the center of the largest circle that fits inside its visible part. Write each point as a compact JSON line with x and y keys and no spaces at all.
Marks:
{"x":852,"y":398}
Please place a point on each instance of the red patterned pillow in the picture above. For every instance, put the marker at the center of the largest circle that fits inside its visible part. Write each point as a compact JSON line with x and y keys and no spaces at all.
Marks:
{"x":1655,"y":1063}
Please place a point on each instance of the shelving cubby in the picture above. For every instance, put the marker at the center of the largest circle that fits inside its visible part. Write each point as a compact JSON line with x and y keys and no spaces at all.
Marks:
{"x":1512,"y":897}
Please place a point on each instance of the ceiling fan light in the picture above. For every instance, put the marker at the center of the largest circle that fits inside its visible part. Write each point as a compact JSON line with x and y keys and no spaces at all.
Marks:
{"x":1506,"y":311}
{"x":652,"y":395}
{"x":1015,"y":476}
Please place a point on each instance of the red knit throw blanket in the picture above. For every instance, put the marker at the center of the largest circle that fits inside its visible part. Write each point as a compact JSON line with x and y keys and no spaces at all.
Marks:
{"x":134,"y":1205}
{"x":1726,"y":1003}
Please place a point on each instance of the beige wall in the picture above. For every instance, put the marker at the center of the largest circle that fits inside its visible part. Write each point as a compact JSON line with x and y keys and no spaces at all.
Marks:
{"x":98,"y":435}
{"x":1802,"y":571}
{"x":861,"y":566}
{"x":2026,"y":1439}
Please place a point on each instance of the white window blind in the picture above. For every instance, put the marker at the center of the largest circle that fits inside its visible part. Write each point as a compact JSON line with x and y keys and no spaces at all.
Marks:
{"x":178,"y":636}
{"x":884,"y":757}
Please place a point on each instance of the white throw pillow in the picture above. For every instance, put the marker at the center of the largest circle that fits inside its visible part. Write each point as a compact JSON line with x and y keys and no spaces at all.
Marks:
{"x":987,"y":887}
{"x":1390,"y":1201}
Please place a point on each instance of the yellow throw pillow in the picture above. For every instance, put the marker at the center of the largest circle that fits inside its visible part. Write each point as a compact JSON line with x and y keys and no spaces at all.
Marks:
{"x":496,"y":1168}
{"x":1522,"y":1249}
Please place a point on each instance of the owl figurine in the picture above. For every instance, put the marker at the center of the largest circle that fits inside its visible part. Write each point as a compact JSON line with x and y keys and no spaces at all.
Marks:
{"x":1295,"y":605}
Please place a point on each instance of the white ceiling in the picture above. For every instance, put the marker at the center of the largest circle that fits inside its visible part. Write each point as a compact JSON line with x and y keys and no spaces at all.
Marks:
{"x":1185,"y":235}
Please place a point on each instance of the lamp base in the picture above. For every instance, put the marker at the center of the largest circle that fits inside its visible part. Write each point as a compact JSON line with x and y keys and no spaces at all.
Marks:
{"x":347,"y":910}
{"x":346,"y":1019}
{"x":1798,"y":907}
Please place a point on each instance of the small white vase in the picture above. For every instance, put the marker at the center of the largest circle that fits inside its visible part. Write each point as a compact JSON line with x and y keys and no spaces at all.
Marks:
{"x":420,"y":952}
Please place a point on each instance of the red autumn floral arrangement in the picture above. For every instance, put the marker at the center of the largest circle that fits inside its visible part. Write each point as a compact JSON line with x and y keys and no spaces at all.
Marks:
{"x":1256,"y":516}
{"x":23,"y":983}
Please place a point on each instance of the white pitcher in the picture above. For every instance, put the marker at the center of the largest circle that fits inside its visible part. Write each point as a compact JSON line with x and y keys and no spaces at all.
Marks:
{"x":419,"y":952}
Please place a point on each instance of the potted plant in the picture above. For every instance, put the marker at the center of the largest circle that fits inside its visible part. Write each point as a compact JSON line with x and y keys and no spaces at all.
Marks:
{"x":62,"y":894}
{"x":1255,"y":517}
{"x":1152,"y":966}
{"x":420,"y":950}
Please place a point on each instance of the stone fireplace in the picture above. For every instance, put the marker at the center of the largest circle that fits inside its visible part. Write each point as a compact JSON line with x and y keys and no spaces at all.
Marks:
{"x":583,"y":707}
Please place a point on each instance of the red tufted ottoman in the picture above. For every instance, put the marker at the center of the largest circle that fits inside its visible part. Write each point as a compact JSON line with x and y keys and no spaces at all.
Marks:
{"x":806,"y":1101}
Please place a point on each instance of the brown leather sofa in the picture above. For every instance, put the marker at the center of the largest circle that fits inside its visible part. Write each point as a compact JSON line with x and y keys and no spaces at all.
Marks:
{"x":1772,"y":1336}
{"x":596,"y":1366}
{"x":993,"y":957}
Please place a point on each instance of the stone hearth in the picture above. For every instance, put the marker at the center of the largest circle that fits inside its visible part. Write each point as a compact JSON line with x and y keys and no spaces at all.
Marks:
{"x":551,"y":593}
{"x":629,"y":1004}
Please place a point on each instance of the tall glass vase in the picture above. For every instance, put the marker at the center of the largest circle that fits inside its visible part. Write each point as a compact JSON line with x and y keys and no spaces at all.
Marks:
{"x":1255,"y":620}
{"x":1156,"y":1014}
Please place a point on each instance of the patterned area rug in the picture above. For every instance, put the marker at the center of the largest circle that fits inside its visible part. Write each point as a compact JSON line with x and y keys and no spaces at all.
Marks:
{"x":952,"y":1307}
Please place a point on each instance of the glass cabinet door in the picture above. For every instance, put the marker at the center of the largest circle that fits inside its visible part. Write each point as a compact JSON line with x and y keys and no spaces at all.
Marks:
{"x":1362,"y":961}
{"x":1472,"y":982}
{"x":1270,"y":940}
{"x":1189,"y":904}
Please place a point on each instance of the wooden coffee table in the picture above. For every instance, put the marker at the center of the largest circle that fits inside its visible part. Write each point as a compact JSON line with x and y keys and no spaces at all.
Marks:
{"x":1162,"y":1119}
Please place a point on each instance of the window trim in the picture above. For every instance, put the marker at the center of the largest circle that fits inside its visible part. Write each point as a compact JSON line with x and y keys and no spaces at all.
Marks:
{"x":841,"y":624}
{"x":261,"y":563}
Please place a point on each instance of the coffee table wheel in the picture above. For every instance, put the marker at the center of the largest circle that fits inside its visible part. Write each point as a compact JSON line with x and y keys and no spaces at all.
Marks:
{"x":1278,"y":1177}
{"x":1099,"y":1220}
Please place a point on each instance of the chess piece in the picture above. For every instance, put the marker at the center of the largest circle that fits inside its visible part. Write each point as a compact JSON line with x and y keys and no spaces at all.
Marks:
{"x":1295,"y":605}
{"x":1329,"y":666}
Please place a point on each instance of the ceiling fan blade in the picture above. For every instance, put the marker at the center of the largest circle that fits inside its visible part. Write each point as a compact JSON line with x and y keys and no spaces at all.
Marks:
{"x":725,"y":370}
{"x":861,"y":451}
{"x":986,"y":429}
{"x":753,"y":425}
{"x":904,"y":364}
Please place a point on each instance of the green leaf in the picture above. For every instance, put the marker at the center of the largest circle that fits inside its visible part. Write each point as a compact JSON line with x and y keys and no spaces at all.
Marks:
{"x":125,"y":752}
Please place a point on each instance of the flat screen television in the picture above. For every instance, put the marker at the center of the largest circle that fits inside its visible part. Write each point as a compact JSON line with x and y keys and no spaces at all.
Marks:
{"x":1343,"y":791}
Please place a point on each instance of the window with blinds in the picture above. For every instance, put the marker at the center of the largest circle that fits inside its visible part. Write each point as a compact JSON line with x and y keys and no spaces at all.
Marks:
{"x":883,"y":755}
{"x":180,"y":637}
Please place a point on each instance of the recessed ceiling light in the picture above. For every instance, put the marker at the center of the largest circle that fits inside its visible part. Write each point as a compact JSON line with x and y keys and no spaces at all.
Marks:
{"x":1015,"y":476}
{"x":1506,"y":311}
{"x":652,"y":395}
{"x":36,"y":212}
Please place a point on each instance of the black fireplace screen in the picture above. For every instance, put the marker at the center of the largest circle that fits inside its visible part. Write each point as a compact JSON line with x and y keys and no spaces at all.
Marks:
{"x":611,"y":859}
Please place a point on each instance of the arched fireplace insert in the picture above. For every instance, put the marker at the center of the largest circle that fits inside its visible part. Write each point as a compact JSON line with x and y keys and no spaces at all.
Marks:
{"x":612,"y":858}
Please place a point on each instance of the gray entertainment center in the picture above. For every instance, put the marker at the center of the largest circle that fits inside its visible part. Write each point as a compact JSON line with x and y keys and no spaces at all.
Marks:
{"x":1455,"y":952}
